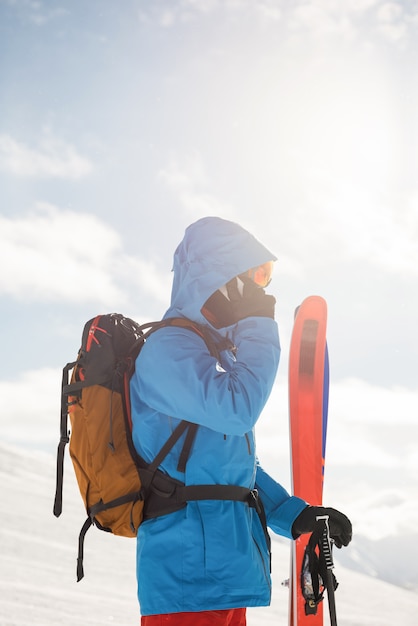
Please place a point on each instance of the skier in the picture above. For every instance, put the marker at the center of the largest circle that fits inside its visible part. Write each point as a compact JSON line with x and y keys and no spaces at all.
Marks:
{"x":205,"y":563}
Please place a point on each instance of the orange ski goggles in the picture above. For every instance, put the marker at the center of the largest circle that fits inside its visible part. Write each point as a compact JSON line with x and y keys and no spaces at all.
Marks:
{"x":261,"y":275}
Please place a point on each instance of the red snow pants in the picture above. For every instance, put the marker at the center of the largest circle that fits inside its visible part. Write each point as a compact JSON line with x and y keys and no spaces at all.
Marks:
{"x":230,"y":617}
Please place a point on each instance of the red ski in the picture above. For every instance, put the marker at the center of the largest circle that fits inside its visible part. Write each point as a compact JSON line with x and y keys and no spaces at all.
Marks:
{"x":308,"y":409}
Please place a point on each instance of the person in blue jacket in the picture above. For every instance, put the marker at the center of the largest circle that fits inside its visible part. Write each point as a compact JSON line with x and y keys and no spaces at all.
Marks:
{"x":208,"y":561}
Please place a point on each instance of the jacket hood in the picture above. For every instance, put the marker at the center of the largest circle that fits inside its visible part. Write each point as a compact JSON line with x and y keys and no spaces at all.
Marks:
{"x":212,"y":252}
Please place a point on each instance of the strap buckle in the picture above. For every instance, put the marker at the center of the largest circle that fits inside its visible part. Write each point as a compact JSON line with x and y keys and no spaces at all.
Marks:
{"x":254,"y":500}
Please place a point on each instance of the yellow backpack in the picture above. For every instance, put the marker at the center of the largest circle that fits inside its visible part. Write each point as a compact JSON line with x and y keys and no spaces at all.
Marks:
{"x":96,"y":399}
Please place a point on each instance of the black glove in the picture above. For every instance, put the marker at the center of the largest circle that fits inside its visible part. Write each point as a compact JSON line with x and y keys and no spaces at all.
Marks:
{"x":223,"y":311}
{"x":340,"y":529}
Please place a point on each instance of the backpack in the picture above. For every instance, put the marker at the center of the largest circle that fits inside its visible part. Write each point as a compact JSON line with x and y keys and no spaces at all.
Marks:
{"x":119,"y":489}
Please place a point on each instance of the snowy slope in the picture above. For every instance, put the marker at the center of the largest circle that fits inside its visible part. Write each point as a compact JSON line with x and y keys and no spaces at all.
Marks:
{"x":38,"y":558}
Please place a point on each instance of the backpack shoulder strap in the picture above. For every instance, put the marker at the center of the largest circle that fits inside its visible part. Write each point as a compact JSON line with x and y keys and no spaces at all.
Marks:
{"x":213,"y":340}
{"x":215,"y":344}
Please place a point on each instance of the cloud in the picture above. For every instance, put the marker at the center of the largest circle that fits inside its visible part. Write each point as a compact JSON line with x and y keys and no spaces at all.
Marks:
{"x":53,"y":158}
{"x":181,"y":11}
{"x":351,"y":226}
{"x":52,"y":254}
{"x":368,"y":424}
{"x":319,"y":20}
{"x":381,"y":234}
{"x":359,"y":402}
{"x":30,"y":408}
{"x":36,"y":11}
{"x":188,"y":179}
{"x":392,"y":21}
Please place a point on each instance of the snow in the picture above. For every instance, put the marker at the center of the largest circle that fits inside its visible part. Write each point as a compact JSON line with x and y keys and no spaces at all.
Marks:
{"x":37,"y":566}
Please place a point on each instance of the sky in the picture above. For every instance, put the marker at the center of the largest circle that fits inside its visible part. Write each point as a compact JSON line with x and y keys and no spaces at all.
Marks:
{"x":123,"y":122}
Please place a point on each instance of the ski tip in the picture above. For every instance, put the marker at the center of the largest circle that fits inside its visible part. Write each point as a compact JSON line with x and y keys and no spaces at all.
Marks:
{"x":313,"y":303}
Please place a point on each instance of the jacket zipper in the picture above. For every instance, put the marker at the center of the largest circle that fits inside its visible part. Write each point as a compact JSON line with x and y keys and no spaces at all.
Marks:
{"x":247,"y":440}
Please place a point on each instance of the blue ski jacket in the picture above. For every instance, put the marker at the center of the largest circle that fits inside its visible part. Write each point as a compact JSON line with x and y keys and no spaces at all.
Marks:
{"x":210,"y":555}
